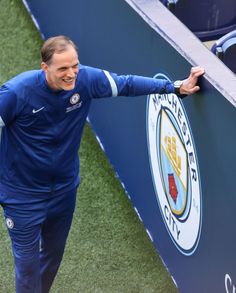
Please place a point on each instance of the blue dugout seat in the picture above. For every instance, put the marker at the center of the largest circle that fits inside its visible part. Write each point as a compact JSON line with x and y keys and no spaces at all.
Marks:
{"x":207,"y":19}
{"x":225,"y":49}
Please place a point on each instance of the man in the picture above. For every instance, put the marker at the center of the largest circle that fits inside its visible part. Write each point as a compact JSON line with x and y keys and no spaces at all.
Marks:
{"x":42,"y":115}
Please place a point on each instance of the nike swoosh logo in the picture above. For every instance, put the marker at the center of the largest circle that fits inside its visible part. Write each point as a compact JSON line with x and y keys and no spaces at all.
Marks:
{"x":35,"y":111}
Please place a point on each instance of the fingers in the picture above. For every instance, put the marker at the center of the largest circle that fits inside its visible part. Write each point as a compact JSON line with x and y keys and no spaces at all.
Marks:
{"x":189,"y":85}
{"x":195,"y":89}
{"x":197,"y":71}
{"x":190,"y":91}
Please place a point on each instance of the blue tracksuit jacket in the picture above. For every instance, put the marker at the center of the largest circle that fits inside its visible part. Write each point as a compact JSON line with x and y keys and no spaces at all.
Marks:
{"x":42,"y":128}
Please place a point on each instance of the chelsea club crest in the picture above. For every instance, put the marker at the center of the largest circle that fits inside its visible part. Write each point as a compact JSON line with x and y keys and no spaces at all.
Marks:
{"x":174,"y":168}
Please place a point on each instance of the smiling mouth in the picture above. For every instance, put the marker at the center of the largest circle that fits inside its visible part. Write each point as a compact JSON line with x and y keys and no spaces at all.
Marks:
{"x":71,"y":80}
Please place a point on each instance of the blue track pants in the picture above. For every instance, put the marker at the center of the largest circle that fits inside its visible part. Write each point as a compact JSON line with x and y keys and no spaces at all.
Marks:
{"x":38,"y":232}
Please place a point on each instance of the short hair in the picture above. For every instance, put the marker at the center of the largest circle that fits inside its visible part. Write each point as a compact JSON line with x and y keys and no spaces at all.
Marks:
{"x":57,"y":44}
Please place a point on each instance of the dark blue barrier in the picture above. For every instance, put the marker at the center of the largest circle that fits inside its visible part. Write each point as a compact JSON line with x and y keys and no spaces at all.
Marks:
{"x":174,"y":158}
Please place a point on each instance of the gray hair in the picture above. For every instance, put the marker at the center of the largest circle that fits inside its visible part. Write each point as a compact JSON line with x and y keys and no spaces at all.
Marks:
{"x":53,"y":45}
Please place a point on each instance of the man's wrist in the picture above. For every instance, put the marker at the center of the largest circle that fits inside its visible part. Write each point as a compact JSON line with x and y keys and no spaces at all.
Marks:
{"x":177,"y":85}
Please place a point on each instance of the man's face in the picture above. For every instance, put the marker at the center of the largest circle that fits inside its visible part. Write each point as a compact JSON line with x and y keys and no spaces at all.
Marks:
{"x":63,"y":69}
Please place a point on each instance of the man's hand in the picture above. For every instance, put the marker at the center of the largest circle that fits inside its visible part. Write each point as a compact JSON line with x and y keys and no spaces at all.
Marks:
{"x":189,"y":85}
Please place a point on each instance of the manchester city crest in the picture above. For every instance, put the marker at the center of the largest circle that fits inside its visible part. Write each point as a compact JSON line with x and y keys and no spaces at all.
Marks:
{"x":174,"y":167}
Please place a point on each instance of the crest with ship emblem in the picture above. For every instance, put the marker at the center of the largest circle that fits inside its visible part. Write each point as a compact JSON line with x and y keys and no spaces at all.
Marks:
{"x":174,"y":171}
{"x":174,"y":167}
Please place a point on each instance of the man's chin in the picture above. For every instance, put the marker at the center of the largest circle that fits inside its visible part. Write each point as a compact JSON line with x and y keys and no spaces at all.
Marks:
{"x":68,"y":87}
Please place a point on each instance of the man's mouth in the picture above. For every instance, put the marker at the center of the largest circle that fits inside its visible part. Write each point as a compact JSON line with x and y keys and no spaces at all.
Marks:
{"x":68,"y":80}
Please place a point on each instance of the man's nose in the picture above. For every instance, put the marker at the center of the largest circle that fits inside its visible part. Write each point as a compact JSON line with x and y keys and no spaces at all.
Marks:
{"x":71,"y":72}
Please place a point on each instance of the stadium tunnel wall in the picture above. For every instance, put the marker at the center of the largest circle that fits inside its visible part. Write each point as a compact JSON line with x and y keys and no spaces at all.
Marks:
{"x":144,"y":38}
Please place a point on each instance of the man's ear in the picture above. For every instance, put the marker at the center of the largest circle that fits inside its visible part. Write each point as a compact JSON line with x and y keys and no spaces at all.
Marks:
{"x":44,"y":66}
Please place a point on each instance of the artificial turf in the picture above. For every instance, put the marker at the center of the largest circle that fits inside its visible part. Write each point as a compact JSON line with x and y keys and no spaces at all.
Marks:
{"x":108,"y":250}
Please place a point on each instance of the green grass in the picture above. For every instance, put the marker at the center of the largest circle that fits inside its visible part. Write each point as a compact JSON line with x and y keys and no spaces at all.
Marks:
{"x":108,"y":250}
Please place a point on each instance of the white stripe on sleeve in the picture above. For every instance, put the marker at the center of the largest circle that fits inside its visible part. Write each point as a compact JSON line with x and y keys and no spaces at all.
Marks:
{"x":112,"y":84}
{"x":1,"y":122}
